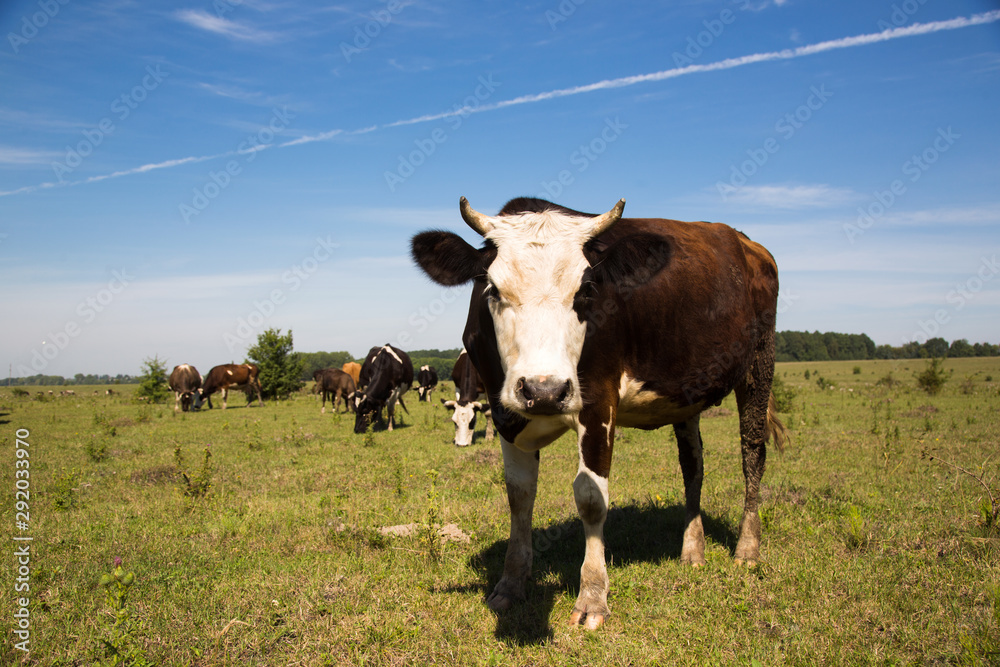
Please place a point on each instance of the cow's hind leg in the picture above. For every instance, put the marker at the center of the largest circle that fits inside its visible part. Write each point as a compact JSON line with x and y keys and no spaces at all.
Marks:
{"x":521,"y":474}
{"x":752,"y":398}
{"x":689,"y":450}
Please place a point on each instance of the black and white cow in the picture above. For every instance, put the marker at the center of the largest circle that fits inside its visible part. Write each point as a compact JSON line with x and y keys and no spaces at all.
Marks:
{"x":468,"y":387}
{"x":427,"y":379}
{"x":590,"y":323}
{"x":185,"y":381}
{"x":387,"y":374}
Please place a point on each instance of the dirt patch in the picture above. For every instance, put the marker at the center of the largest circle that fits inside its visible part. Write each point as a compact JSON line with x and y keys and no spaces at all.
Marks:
{"x":717,"y":412}
{"x":448,"y":533}
{"x":154,"y":475}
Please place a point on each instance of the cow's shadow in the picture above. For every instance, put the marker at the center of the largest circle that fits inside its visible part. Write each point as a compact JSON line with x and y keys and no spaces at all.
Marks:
{"x":635,"y":533}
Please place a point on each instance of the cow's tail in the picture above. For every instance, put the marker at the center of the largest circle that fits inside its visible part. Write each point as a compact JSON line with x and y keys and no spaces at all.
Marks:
{"x":776,"y":431}
{"x":403,"y":405}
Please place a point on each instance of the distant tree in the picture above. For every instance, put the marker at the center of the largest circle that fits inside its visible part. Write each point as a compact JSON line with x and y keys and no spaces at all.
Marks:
{"x":936,"y":348}
{"x":961,"y":348}
{"x":153,"y":381}
{"x":280,"y":367}
{"x":314,"y":361}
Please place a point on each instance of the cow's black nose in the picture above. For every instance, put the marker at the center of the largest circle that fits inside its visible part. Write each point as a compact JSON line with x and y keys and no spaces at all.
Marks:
{"x":544,"y":395}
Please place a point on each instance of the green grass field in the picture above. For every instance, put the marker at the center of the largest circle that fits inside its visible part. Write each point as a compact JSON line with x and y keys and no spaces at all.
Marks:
{"x":876,"y":549}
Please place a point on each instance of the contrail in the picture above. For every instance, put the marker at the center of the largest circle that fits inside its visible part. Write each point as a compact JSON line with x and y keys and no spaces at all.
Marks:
{"x":729,"y":63}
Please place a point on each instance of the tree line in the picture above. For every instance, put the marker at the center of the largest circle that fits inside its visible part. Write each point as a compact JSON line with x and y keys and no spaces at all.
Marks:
{"x":831,"y":346}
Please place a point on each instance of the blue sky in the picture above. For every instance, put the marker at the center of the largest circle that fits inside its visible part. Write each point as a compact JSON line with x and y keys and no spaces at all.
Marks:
{"x":175,"y":177}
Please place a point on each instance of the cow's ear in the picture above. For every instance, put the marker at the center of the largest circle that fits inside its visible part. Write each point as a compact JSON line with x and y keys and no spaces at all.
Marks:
{"x":629,"y":262}
{"x":446,"y":258}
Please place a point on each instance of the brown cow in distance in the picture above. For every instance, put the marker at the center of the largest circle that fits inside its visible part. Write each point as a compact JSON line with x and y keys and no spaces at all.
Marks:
{"x":336,"y":384}
{"x":229,"y":376}
{"x":594,"y":322}
{"x":185,"y":381}
{"x":353,"y":369}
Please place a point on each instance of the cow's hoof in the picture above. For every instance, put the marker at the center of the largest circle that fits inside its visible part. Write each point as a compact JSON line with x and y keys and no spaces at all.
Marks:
{"x":499,"y":601}
{"x":746,"y":562}
{"x":587,"y":620}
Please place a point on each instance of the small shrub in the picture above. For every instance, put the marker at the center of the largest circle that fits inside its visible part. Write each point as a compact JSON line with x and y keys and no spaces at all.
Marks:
{"x":195,"y":485}
{"x":857,"y":370}
{"x":64,"y":490}
{"x":823,"y":383}
{"x":933,"y":378}
{"x":784,"y":395}
{"x":888,"y":381}
{"x":96,"y":448}
{"x":857,"y":537}
{"x":20,"y":393}
{"x":807,"y":374}
{"x":121,"y":648}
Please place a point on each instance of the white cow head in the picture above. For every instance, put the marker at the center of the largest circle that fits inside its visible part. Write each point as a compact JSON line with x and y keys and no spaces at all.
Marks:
{"x":539,"y":276}
{"x":464,"y":417}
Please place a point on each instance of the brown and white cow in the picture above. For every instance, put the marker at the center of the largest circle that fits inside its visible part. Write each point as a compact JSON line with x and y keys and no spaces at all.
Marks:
{"x":590,"y":323}
{"x":386,"y":375}
{"x":229,"y":376}
{"x":468,"y":387}
{"x":335,"y":384}
{"x":185,"y":380}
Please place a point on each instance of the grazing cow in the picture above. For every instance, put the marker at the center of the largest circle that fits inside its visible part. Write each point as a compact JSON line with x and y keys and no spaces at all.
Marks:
{"x":468,"y":387}
{"x":386,"y":375}
{"x":229,"y":376}
{"x":185,"y":381}
{"x":595,"y":322}
{"x":353,"y":369}
{"x":427,"y":379}
{"x":336,"y":384}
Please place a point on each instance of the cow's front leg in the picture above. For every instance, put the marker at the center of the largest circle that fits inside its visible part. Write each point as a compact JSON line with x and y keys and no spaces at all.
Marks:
{"x":225,"y":396}
{"x":590,"y":489}
{"x":521,"y":474}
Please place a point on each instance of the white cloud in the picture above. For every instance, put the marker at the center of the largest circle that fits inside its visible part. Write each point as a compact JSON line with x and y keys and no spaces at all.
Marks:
{"x":20,"y":157}
{"x":221,"y":26}
{"x":793,"y":196}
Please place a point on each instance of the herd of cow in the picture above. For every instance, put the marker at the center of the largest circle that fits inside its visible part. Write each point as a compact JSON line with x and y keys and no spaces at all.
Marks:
{"x":365,"y":389}
{"x":590,"y":323}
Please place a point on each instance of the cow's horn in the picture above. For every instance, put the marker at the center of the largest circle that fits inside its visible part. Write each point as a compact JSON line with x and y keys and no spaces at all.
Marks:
{"x":479,"y":222}
{"x":604,"y":222}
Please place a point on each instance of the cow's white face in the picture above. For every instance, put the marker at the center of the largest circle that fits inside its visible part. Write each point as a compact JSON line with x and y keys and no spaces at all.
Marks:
{"x":464,"y":417}
{"x":532,"y":284}
{"x":539,"y":289}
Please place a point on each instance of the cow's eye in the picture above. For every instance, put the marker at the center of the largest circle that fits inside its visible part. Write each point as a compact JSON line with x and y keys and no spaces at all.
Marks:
{"x":491,"y":293}
{"x":584,"y":297}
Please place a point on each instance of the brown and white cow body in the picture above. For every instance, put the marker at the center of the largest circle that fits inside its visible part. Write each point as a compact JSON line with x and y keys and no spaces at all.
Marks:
{"x":226,"y":377}
{"x":335,"y":384}
{"x":185,"y":381}
{"x":468,"y":387}
{"x":593,"y":322}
